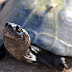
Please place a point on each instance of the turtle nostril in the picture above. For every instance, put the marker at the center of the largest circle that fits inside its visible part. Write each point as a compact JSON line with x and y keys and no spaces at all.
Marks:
{"x":6,"y":24}
{"x":9,"y":26}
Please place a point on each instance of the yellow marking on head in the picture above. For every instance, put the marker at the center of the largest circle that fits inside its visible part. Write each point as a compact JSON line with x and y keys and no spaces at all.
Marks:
{"x":19,"y":29}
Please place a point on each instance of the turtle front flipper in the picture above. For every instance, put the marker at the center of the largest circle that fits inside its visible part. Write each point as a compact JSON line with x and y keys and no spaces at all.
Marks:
{"x":2,"y":51}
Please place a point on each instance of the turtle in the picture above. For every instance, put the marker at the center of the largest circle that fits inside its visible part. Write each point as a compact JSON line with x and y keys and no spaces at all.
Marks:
{"x":17,"y":42}
{"x":48,"y":23}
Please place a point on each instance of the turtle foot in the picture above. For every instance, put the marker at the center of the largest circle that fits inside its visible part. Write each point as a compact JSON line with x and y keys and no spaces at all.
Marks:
{"x":50,"y":60}
{"x":60,"y":63}
{"x":30,"y":57}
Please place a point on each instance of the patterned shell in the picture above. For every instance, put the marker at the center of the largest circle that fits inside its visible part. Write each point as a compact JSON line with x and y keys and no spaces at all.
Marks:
{"x":48,"y":22}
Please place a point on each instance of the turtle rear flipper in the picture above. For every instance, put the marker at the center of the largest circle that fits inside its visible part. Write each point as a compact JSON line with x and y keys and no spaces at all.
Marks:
{"x":2,"y":51}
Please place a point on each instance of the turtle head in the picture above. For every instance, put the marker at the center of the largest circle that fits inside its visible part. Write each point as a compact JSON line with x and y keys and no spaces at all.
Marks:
{"x":14,"y":30}
{"x":15,"y":38}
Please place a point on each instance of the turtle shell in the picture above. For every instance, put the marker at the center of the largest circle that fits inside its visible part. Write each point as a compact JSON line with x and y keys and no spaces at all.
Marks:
{"x":48,"y":22}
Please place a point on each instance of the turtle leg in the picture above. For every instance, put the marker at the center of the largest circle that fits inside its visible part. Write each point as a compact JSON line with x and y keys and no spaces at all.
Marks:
{"x":44,"y":58}
{"x":2,"y":51}
{"x":51,"y":60}
{"x":31,"y":56}
{"x":38,"y":57}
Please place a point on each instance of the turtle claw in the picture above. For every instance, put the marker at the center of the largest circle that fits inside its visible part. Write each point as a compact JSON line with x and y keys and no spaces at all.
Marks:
{"x":30,"y":57}
{"x":66,"y":66}
{"x":64,"y":70}
{"x":62,"y":67}
{"x":60,"y":63}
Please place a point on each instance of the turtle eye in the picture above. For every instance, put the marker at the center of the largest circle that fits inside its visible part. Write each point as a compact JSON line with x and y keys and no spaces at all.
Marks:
{"x":18,"y":29}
